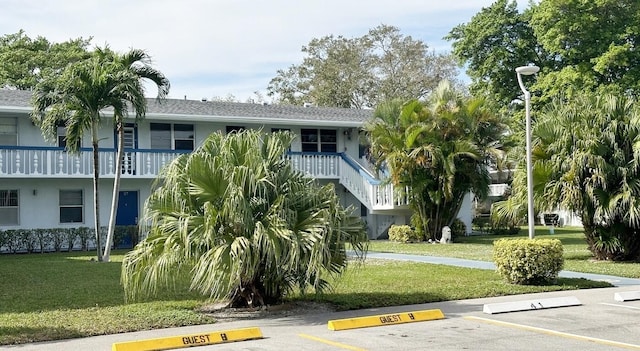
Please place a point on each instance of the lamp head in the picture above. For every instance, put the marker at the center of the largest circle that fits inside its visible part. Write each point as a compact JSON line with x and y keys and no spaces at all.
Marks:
{"x":527,"y":70}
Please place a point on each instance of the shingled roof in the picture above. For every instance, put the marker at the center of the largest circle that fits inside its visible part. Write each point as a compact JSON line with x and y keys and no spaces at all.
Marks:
{"x":180,"y":108}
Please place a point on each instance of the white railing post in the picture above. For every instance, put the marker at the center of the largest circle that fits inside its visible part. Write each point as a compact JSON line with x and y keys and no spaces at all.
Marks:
{"x":17,"y":163}
{"x":35,"y":163}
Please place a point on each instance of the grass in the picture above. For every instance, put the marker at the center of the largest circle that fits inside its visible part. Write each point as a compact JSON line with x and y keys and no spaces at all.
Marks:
{"x":577,"y":256}
{"x":376,"y":283}
{"x":67,"y":295}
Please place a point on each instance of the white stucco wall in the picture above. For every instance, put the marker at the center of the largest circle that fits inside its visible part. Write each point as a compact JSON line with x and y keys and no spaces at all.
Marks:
{"x":466,"y":212}
{"x":39,"y":200}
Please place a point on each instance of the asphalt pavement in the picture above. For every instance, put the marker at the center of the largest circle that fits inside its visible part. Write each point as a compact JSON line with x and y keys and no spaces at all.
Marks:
{"x":598,"y":323}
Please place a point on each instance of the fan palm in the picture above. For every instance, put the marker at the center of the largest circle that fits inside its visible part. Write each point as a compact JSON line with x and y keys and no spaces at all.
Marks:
{"x":242,"y":224}
{"x":586,"y":159}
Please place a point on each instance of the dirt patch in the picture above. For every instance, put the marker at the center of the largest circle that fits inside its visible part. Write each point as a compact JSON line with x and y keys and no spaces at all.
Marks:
{"x":227,"y":314}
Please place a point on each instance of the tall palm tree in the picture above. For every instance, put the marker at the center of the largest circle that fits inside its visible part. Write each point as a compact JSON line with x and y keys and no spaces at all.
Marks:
{"x":130,"y":69}
{"x":237,"y":219}
{"x":77,"y":99}
{"x":440,"y":149}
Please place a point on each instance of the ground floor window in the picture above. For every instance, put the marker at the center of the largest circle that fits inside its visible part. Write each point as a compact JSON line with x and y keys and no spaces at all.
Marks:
{"x":9,"y":207}
{"x":71,"y":206}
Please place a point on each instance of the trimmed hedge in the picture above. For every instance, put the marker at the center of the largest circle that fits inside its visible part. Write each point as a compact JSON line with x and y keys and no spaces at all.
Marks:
{"x":61,"y":239}
{"x":527,"y":261}
{"x":403,"y":234}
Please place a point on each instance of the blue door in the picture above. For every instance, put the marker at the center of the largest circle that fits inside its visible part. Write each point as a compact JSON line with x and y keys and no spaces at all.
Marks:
{"x":127,"y":214}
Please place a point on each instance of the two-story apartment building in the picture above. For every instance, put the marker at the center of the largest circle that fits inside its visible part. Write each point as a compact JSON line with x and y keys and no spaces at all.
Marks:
{"x":43,"y":186}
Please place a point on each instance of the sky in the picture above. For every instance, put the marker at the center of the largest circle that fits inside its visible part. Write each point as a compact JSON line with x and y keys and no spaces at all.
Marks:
{"x":211,"y":49}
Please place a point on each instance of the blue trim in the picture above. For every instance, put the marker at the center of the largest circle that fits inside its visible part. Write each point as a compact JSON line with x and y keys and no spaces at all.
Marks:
{"x":88,"y":149}
{"x":363,"y":172}
{"x":315,"y":153}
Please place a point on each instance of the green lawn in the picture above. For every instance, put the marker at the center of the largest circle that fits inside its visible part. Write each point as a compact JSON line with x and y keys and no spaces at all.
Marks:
{"x":67,"y":295}
{"x":577,"y":256}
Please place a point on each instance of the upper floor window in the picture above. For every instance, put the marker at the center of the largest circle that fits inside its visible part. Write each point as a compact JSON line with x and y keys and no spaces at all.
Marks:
{"x":169,"y":136}
{"x":62,"y":135}
{"x":9,"y":207}
{"x":231,"y":129}
{"x":71,"y":204}
{"x":323,"y":140}
{"x":8,"y":131}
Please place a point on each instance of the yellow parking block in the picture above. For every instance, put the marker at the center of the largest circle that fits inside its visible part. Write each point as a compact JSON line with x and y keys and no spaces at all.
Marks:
{"x":180,"y":341}
{"x":385,"y":319}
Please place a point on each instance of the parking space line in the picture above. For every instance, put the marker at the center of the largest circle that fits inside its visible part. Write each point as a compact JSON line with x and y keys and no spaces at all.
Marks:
{"x":623,"y":306}
{"x":332,"y":343}
{"x":554,"y":332}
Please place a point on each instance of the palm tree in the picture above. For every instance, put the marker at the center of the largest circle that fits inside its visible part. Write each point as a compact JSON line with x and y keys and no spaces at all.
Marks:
{"x":586,"y":160}
{"x":77,"y":99}
{"x":440,"y":150}
{"x":240,"y":223}
{"x":130,"y":69}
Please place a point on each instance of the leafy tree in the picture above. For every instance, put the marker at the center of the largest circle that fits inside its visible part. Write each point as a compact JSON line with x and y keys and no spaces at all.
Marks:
{"x":594,"y":45}
{"x":579,"y":44}
{"x":439,"y":151}
{"x":25,"y":61}
{"x":362,"y":72}
{"x":77,"y":98}
{"x":496,"y":41}
{"x":241,"y":223}
{"x":587,"y":160}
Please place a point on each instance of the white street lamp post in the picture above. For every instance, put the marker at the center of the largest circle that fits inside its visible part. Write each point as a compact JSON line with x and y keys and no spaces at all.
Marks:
{"x":527,"y":71}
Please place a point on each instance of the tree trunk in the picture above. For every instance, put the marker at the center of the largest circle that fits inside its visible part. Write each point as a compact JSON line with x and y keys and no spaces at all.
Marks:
{"x":96,"y":188}
{"x":116,"y":191}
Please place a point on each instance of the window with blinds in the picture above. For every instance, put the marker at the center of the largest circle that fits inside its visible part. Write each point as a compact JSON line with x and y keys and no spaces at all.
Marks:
{"x":8,"y":131}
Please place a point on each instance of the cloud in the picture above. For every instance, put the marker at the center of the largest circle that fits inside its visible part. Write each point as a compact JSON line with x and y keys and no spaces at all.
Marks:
{"x":216,"y":48}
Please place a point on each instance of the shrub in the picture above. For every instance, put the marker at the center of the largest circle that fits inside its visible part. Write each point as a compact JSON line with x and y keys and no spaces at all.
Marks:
{"x":403,"y":234}
{"x":57,"y":239}
{"x":526,"y":261}
{"x":494,"y":225}
{"x":122,"y":233}
{"x":418,"y":227}
{"x":458,"y":229}
{"x":481,"y":224}
{"x":27,"y":240}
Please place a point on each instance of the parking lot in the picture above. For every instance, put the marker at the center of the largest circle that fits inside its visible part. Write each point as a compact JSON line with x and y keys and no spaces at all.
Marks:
{"x":599,"y":323}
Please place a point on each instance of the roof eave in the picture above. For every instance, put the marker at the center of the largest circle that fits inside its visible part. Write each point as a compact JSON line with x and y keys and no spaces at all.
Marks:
{"x":252,"y":120}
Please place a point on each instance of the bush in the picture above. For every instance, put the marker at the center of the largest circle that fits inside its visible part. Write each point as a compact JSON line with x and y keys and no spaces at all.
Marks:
{"x":418,"y":227}
{"x":57,"y":239}
{"x":403,"y":234}
{"x":526,"y":261}
{"x":493,"y":225}
{"x":458,"y":229}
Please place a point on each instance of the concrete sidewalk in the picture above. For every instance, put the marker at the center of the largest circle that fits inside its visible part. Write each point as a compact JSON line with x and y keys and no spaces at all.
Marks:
{"x":460,"y":262}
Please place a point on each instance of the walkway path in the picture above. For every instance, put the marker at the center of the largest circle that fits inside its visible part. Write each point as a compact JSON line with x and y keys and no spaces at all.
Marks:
{"x":460,"y":262}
